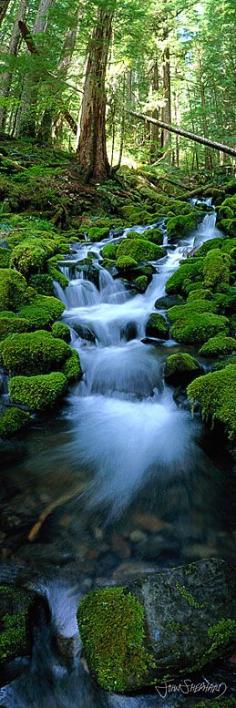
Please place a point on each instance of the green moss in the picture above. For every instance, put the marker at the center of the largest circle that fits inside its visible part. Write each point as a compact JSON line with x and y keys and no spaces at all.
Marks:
{"x":181,"y":366}
{"x":222,"y":632}
{"x":72,"y":369}
{"x":43,"y":284}
{"x":216,"y":270}
{"x":55,"y":272}
{"x":157,"y":326}
{"x":11,"y":325}
{"x":126,"y":263}
{"x":154,"y":235}
{"x":43,"y":311}
{"x":216,"y":395}
{"x":12,"y":289}
{"x":197,"y":328}
{"x":141,"y":283}
{"x":109,"y":251}
{"x":209,"y":245}
{"x":32,"y":353}
{"x":227,"y":210}
{"x":226,"y":302}
{"x":180,"y":226}
{"x":218,"y":345}
{"x":12,"y":420}
{"x":97,"y":234}
{"x":199,"y":294}
{"x":184,"y":278}
{"x":28,"y":257}
{"x":190,"y":599}
{"x":38,"y":392}
{"x":180,"y":312}
{"x":5,"y":255}
{"x":139,"y":249}
{"x":15,"y":637}
{"x":112,"y":628}
{"x":61,"y":330}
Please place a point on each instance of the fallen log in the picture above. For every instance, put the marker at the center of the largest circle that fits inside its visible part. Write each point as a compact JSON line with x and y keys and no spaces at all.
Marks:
{"x":185,"y":134}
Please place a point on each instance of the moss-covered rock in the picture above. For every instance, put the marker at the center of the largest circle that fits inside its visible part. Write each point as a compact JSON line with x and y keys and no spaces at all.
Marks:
{"x":216,"y":395}
{"x":95,"y":233}
{"x":55,"y":272}
{"x":182,"y":312}
{"x":164,"y":303}
{"x":141,"y":283}
{"x":187,"y":274}
{"x":13,"y":288}
{"x":167,"y":624}
{"x":72,"y":369}
{"x":16,"y":610}
{"x":216,"y":270}
{"x":11,"y":325}
{"x":180,"y":226}
{"x":218,"y":346}
{"x":43,"y":284}
{"x":38,"y":392}
{"x":60,"y":330}
{"x":109,"y":251}
{"x":32,"y":353}
{"x":28,"y":257}
{"x":126,"y":264}
{"x":154,"y":235}
{"x":157,"y":326}
{"x":181,"y":368}
{"x":197,"y":328}
{"x":12,"y":421}
{"x":140,"y":250}
{"x":199,"y":294}
{"x":43,"y":311}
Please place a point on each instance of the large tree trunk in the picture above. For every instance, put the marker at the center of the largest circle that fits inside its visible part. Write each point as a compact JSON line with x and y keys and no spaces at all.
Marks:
{"x":186,"y":134}
{"x":13,"y":49}
{"x":26,"y":120}
{"x":3,"y":9}
{"x":92,"y":151}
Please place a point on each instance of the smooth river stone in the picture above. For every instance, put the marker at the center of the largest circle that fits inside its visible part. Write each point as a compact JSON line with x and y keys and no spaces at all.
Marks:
{"x":188,"y":619}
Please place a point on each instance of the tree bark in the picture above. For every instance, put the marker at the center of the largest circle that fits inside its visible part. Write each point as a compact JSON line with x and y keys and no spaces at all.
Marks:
{"x":26,"y":120}
{"x":92,"y":150}
{"x":3,"y":9}
{"x":13,"y":49}
{"x":186,"y":134}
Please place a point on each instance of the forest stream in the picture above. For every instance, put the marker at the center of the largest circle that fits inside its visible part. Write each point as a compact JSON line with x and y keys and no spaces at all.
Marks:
{"x":144,"y":486}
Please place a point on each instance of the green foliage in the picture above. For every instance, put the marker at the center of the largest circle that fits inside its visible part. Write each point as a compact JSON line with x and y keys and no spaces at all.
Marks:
{"x":112,"y":628}
{"x":32,"y":353}
{"x":218,"y":346}
{"x":43,"y":284}
{"x":12,"y":421}
{"x":5,"y":255}
{"x":216,"y":394}
{"x":38,"y":392}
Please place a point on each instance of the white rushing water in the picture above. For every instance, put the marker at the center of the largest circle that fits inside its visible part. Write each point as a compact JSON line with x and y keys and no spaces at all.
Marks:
{"x":126,"y":424}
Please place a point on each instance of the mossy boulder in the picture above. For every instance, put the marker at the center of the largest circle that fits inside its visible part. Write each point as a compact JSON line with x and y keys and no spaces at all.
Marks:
{"x":216,"y":270}
{"x":42,"y":312}
{"x":32,"y":353}
{"x":13,"y":287}
{"x":216,"y":395}
{"x":38,"y":392}
{"x":43,"y":284}
{"x":11,"y":325}
{"x":199,"y":294}
{"x":28,"y":257}
{"x":197,"y":328}
{"x":72,"y":369}
{"x":152,"y":235}
{"x":12,"y":421}
{"x":188,"y":273}
{"x":60,"y":330}
{"x":125,"y":264}
{"x":181,"y":368}
{"x":141,"y":283}
{"x":180,"y":312}
{"x":164,"y":303}
{"x":109,"y":251}
{"x":180,"y":226}
{"x":140,"y":249}
{"x":95,"y":233}
{"x":171,"y":623}
{"x":157,"y":326}
{"x":218,"y":346}
{"x":227,"y":210}
{"x":17,"y":608}
{"x":55,"y":272}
